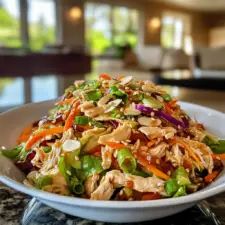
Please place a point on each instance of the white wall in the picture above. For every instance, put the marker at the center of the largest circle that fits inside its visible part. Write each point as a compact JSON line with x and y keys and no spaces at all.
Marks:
{"x":217,"y":37}
{"x":71,"y":33}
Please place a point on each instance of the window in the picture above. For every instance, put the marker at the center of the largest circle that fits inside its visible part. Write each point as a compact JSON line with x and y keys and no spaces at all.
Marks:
{"x":175,"y":32}
{"x":98,"y":27}
{"x":9,"y":24}
{"x":42,"y":23}
{"x":172,"y":32}
{"x":44,"y":88}
{"x":11,"y":91}
{"x":125,"y":26}
{"x":109,"y":26}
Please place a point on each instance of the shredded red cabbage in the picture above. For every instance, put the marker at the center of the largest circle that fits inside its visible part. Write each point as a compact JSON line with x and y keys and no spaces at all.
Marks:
{"x":162,"y":115}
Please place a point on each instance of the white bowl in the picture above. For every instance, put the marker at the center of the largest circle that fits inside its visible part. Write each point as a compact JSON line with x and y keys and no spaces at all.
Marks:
{"x":13,"y":121}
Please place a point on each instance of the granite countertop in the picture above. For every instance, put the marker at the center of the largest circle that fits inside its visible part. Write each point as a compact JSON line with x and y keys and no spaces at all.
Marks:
{"x":13,"y":204}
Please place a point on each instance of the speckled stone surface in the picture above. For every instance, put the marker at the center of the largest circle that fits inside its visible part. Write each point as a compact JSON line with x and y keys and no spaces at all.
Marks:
{"x":13,"y":205}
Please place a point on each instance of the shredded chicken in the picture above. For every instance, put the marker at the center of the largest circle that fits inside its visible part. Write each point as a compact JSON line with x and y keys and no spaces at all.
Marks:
{"x":52,"y":160}
{"x":122,"y":133}
{"x":160,"y":150}
{"x":39,"y":158}
{"x":175,"y":156}
{"x":157,"y":132}
{"x":91,"y":184}
{"x":69,"y":134}
{"x":104,"y":190}
{"x":106,"y":157}
{"x":115,"y":179}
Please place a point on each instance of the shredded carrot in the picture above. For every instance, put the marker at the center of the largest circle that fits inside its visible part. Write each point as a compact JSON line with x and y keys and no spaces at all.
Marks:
{"x":151,"y":196}
{"x":66,"y":101}
{"x":105,"y":76}
{"x":24,"y":136}
{"x":168,"y":108}
{"x":172,"y":103}
{"x":220,"y":156}
{"x":84,"y":127}
{"x":151,"y":168}
{"x":115,"y":145}
{"x":95,"y":151}
{"x":210,"y":177}
{"x":151,"y":143}
{"x":129,"y":184}
{"x":41,"y":134}
{"x":74,"y":112}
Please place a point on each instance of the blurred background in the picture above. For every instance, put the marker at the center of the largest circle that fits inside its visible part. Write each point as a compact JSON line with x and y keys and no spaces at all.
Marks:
{"x":46,"y":44}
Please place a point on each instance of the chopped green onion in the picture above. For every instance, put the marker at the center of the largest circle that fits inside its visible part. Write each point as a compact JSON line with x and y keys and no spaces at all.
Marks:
{"x":94,"y":95}
{"x":116,"y":114}
{"x":43,"y":181}
{"x":118,"y":93}
{"x":72,"y":159}
{"x":93,"y":84}
{"x":181,"y":176}
{"x":96,"y":124}
{"x":140,"y":173}
{"x":53,"y":112}
{"x":12,"y":153}
{"x":23,"y":153}
{"x":167,"y":97}
{"x":180,"y":192}
{"x":63,"y":168}
{"x":217,"y":146}
{"x":176,"y":186}
{"x":47,"y":149}
{"x":171,"y":187}
{"x":128,"y":191}
{"x":81,"y":85}
{"x":70,"y":89}
{"x":76,"y":186}
{"x":138,"y":97}
{"x":91,"y":165}
{"x":152,"y":102}
{"x":126,"y":160}
{"x":82,"y":120}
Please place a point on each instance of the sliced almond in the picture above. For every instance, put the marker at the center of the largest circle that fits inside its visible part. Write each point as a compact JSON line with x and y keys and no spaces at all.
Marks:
{"x":112,"y":105}
{"x":131,"y":111}
{"x":104,"y":100}
{"x":148,"y":121}
{"x":126,"y":80}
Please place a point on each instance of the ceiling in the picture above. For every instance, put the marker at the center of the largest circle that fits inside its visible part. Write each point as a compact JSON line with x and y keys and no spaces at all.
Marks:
{"x":203,"y":5}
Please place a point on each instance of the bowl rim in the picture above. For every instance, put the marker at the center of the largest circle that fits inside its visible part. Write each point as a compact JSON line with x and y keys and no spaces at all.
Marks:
{"x":68,"y":200}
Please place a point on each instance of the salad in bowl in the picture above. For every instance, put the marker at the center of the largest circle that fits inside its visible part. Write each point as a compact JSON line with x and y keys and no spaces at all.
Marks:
{"x":117,"y":139}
